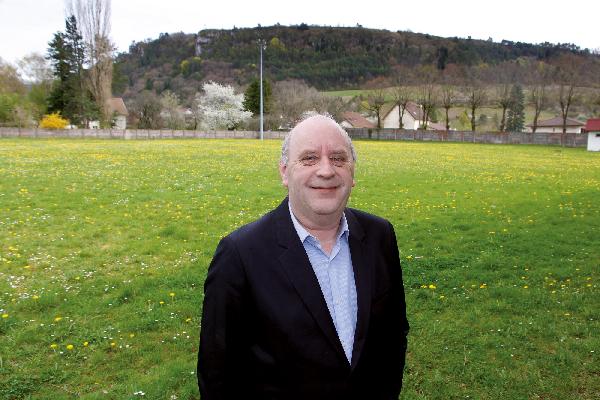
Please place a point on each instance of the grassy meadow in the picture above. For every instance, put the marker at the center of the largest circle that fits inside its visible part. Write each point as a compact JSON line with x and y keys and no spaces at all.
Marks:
{"x":104,"y":247}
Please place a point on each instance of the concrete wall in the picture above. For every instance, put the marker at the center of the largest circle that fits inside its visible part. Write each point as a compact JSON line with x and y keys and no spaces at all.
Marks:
{"x":570,"y":139}
{"x":134,"y":134}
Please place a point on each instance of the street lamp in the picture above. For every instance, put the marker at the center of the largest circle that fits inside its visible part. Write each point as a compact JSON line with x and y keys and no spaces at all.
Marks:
{"x":262,"y":45}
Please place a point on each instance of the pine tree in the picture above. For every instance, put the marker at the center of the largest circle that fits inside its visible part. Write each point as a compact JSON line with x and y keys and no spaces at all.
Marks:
{"x":252,"y":97}
{"x":515,"y":121}
{"x":69,"y":94}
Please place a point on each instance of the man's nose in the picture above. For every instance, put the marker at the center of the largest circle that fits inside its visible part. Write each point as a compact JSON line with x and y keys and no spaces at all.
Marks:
{"x":325,"y":169}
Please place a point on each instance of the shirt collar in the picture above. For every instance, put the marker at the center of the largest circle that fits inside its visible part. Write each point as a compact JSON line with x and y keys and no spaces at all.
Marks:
{"x":303,"y":233}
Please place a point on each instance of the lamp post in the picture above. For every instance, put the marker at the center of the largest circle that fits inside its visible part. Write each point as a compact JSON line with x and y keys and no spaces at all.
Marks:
{"x":262,"y":45}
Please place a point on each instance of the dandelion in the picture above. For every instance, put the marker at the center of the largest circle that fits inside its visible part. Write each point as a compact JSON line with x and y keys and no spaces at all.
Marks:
{"x":525,"y":287}
{"x":432,"y":286}
{"x":4,"y":316}
{"x":69,"y":347}
{"x":131,"y":335}
{"x":53,"y":346}
{"x":172,"y":294}
{"x":113,"y":344}
{"x":161,"y":302}
{"x":188,"y":320}
{"x":85,"y":344}
{"x":35,"y":297}
{"x":56,"y":319}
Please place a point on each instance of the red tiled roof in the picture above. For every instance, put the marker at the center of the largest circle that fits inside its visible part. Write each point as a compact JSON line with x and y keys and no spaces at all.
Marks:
{"x":592,"y":125}
{"x":558,"y":122}
{"x":357,"y":120}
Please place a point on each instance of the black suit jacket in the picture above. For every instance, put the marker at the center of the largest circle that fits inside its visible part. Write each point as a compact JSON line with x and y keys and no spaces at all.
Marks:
{"x":266,"y":332}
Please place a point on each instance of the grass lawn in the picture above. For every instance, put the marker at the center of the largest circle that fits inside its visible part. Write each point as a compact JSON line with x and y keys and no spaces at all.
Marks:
{"x":104,"y":247}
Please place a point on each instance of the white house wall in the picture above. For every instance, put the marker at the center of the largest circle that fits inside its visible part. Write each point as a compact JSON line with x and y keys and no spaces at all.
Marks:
{"x":593,"y":141}
{"x":392,"y":120}
{"x":554,"y":129}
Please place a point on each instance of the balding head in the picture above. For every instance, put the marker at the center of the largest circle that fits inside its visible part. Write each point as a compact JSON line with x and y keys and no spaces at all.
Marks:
{"x":314,"y":122}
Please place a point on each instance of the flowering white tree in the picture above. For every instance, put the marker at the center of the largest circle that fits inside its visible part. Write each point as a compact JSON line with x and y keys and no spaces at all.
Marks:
{"x":220,"y":108}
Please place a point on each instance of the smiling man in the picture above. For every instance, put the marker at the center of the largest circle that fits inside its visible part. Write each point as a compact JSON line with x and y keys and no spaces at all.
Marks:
{"x":308,"y":301}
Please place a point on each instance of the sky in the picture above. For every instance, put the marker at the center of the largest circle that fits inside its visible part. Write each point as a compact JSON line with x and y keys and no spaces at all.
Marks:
{"x":28,"y":25}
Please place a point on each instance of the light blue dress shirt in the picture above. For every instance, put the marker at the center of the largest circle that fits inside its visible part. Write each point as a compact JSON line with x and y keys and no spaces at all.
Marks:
{"x":336,"y":279}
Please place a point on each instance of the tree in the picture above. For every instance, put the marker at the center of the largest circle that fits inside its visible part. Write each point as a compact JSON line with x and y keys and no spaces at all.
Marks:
{"x":252,"y":97}
{"x":38,"y":73}
{"x":515,"y":121}
{"x":68,"y":94}
{"x":539,"y":100}
{"x":427,"y":100}
{"x":476,"y":97}
{"x":15,"y":107}
{"x":447,"y":99}
{"x":147,"y":108}
{"x":291,"y":98}
{"x":566,"y":95}
{"x":220,"y":108}
{"x":93,"y":17}
{"x":503,"y":98}
{"x":374,"y":104}
{"x":172,"y":116}
{"x":401,"y":97}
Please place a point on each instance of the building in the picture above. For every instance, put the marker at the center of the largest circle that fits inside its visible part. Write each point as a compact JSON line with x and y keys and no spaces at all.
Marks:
{"x":355,"y":120}
{"x":592,"y":127}
{"x":412,"y":118}
{"x":555,"y":125}
{"x":118,"y":111}
{"x":116,"y":108}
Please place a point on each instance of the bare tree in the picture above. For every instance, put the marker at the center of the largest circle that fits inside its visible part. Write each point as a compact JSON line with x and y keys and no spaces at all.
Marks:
{"x":427,"y":100}
{"x":93,"y":20}
{"x":476,"y":97}
{"x":566,"y":95}
{"x":539,"y":100}
{"x":503,"y":99}
{"x":291,"y":98}
{"x":374,"y":104}
{"x":447,"y":100}
{"x":401,"y":97}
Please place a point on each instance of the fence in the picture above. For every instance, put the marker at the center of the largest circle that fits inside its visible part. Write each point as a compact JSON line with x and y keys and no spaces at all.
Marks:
{"x":568,"y":139}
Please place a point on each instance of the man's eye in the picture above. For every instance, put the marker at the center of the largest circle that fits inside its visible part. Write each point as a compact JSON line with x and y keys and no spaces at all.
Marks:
{"x":309,"y":160}
{"x":338,"y":161}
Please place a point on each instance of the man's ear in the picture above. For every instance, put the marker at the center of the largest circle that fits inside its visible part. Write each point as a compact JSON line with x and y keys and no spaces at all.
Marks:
{"x":283,"y":174}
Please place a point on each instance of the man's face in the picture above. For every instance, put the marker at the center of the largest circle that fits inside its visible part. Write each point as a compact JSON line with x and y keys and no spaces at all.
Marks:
{"x":320,"y":170}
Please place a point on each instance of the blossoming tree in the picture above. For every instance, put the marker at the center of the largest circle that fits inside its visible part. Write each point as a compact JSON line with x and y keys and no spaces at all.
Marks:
{"x":220,"y":108}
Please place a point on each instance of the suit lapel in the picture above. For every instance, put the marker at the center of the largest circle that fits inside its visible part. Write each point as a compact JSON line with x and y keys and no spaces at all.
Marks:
{"x":297,"y":266}
{"x":362,"y":279}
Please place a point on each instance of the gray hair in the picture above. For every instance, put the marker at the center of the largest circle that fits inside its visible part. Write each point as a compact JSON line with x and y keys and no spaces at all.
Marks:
{"x":285,"y":147}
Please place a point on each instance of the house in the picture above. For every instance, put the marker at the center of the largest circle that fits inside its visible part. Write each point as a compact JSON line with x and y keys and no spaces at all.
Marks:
{"x":412,"y":118}
{"x":555,"y":125}
{"x":116,"y":108}
{"x":355,"y":120}
{"x":592,"y":127}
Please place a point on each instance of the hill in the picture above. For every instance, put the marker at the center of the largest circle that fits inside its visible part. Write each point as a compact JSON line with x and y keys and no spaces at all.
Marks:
{"x":338,"y":58}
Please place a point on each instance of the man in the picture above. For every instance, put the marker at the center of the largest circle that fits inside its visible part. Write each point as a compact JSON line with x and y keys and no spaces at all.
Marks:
{"x":308,"y":301}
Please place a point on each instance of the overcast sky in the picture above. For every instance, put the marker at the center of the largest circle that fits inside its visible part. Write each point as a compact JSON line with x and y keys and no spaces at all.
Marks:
{"x":28,"y":25}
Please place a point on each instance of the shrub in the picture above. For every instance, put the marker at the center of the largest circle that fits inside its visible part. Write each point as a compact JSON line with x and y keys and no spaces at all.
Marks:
{"x":53,"y":121}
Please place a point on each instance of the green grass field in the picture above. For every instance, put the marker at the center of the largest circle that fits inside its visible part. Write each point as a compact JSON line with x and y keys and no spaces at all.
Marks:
{"x":104,"y":247}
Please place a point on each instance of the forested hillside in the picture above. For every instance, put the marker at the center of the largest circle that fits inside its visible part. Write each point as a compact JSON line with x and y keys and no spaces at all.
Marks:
{"x":338,"y":58}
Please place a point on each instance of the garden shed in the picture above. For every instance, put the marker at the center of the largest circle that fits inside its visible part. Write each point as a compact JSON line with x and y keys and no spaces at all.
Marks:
{"x":592,"y":127}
